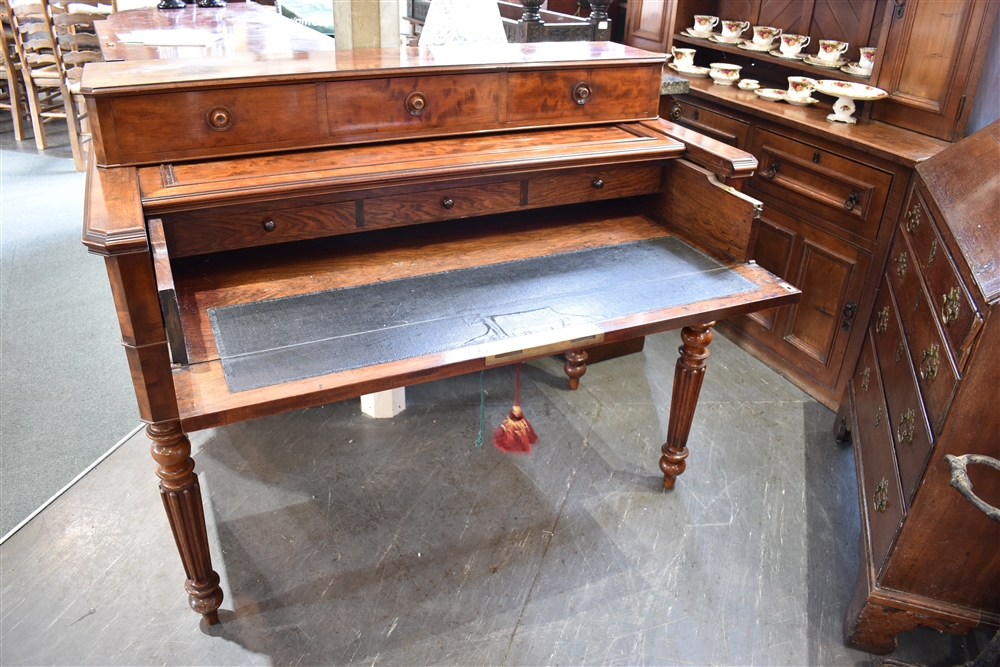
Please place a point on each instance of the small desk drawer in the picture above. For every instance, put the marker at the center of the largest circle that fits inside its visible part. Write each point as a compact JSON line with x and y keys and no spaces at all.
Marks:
{"x":908,"y":423}
{"x":935,"y":369}
{"x":593,"y":184}
{"x":582,"y":95}
{"x":879,"y":482}
{"x":720,"y":127}
{"x":952,"y":305}
{"x":226,"y":229}
{"x":851,"y":194}
{"x":443,"y":204}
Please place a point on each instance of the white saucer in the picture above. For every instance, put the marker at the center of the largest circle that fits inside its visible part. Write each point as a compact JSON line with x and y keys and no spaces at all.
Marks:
{"x":854,"y":70}
{"x":750,"y":46}
{"x":697,"y":35}
{"x":743,"y":85}
{"x":694,"y":72}
{"x":725,"y":40}
{"x":816,"y":62}
{"x":778,"y":54}
{"x":772,"y":94}
{"x":801,"y":103}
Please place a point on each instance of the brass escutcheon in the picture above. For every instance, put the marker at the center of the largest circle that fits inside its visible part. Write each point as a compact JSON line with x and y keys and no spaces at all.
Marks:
{"x":878,"y":416}
{"x":905,"y":432}
{"x":913,"y":219}
{"x":930,"y":258}
{"x":883,"y":320}
{"x":929,"y":362}
{"x":901,"y":265}
{"x":900,"y":350}
{"x":952,"y":306}
{"x":881,"y":498}
{"x":864,"y":378}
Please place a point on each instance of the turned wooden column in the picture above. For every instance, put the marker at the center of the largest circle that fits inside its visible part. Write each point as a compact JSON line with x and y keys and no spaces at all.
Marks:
{"x":688,"y":375}
{"x":181,"y":497}
{"x":575,"y":366}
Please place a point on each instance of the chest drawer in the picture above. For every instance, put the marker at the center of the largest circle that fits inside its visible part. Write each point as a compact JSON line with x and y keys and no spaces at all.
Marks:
{"x":842,"y":190}
{"x":593,"y":184}
{"x":907,"y":419}
{"x":880,"y":490}
{"x":719,"y":126}
{"x":951,"y":303}
{"x":583,"y":95}
{"x":935,"y":369}
{"x":240,"y":227}
{"x":443,"y":204}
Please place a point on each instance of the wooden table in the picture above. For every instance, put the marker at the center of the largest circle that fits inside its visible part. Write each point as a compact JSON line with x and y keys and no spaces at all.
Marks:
{"x":238,"y":181}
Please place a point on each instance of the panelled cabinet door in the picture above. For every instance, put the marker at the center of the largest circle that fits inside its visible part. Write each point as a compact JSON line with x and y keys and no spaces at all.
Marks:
{"x":933,"y":56}
{"x":650,"y":24}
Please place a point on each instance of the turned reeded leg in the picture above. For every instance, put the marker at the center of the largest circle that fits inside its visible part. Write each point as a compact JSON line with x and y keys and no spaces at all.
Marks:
{"x":576,"y":366}
{"x":182,"y":500}
{"x":688,"y":375}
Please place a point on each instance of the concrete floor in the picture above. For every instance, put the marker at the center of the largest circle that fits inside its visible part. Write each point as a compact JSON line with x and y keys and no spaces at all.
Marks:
{"x":346,"y":540}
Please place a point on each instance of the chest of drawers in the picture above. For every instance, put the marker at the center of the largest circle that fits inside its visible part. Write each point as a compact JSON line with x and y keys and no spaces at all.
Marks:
{"x":926,"y":386}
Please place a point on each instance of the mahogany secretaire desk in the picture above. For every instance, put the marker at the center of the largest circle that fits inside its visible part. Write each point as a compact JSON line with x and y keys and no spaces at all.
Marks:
{"x":285,"y":226}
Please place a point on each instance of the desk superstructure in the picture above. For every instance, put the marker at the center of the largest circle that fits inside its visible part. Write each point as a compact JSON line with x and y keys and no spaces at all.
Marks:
{"x":226,"y":191}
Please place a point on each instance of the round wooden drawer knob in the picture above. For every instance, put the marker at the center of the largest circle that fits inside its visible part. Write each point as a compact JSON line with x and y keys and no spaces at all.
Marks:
{"x":416,"y":103}
{"x":219,"y":118}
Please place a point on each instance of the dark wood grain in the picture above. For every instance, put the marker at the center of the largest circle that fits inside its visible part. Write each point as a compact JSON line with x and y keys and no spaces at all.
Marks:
{"x":728,"y":162}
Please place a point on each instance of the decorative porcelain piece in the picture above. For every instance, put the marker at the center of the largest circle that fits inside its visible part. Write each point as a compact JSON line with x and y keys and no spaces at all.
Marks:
{"x":801,"y":103}
{"x":764,"y":35}
{"x":683,"y":57}
{"x":771,"y":94}
{"x":749,"y":84}
{"x":703,"y":23}
{"x":733,"y":29}
{"x":846,"y":92}
{"x":778,"y":54}
{"x":693,"y":71}
{"x":725,"y":74}
{"x":800,"y":87}
{"x":867,"y":60}
{"x":697,"y":35}
{"x":791,"y":45}
{"x":725,"y":40}
{"x":831,"y":50}
{"x":829,"y":64}
{"x":750,"y":46}
{"x":854,"y":70}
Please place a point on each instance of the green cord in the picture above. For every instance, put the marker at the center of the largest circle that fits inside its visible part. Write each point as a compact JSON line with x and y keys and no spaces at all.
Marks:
{"x":482,"y":409}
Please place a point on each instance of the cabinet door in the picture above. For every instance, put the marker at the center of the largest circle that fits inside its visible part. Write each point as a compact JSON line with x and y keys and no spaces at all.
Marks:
{"x":933,"y":56}
{"x":813,"y":334}
{"x":650,"y":24}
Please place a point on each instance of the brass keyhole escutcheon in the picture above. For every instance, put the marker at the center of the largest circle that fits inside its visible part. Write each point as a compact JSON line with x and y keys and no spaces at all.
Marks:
{"x":268,"y":225}
{"x":929,"y":362}
{"x":416,"y":103}
{"x":883,"y":320}
{"x":901,"y":265}
{"x":930,"y":258}
{"x":913,"y":219}
{"x":952,"y":305}
{"x":219,"y":118}
{"x":900,"y":350}
{"x":582,"y":92}
{"x":865,"y":375}
{"x":878,"y":416}
{"x":906,"y":422}
{"x":448,"y":203}
{"x":881,"y":499}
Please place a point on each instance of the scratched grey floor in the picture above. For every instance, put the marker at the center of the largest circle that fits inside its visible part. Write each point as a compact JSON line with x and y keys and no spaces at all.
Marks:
{"x":346,"y":540}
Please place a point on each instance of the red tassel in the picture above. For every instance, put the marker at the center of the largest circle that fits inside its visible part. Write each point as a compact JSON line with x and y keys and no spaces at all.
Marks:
{"x":515,"y":435}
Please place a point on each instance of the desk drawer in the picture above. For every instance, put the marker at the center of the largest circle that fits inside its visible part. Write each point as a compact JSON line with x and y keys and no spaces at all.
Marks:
{"x":612,"y":93}
{"x":935,"y":369}
{"x":952,"y":305}
{"x":879,"y":482}
{"x":907,"y":420}
{"x":226,"y":229}
{"x":833,"y":187}
{"x":720,"y":127}
{"x":593,"y":184}
{"x":443,"y":204}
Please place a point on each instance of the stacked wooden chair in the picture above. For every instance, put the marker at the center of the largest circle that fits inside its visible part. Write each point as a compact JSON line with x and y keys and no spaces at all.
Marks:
{"x":12,"y":97}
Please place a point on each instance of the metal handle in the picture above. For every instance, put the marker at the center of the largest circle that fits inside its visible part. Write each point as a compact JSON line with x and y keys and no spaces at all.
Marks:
{"x":268,"y":225}
{"x":880,"y":500}
{"x":901,"y":265}
{"x":929,"y":362}
{"x":882,"y":323}
{"x":448,"y":202}
{"x":416,"y":103}
{"x":582,"y":92}
{"x":772,"y":169}
{"x":952,"y":305}
{"x":676,"y":111}
{"x":849,"y":309}
{"x":906,"y":426}
{"x":598,"y":183}
{"x":865,"y":376}
{"x":960,"y":480}
{"x":219,"y":118}
{"x":696,"y":114}
{"x":913,"y":219}
{"x":853,"y":200}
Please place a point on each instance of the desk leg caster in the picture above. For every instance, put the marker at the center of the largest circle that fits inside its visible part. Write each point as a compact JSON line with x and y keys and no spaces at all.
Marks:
{"x":688,"y":375}
{"x":575,"y":367}
{"x":181,"y":497}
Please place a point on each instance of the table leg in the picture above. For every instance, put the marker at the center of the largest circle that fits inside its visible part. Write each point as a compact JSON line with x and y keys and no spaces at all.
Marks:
{"x":575,"y":367}
{"x":688,"y":375}
{"x":181,"y":496}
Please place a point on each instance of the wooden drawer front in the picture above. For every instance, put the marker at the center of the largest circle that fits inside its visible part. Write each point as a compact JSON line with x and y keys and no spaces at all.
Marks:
{"x":593,"y":184}
{"x":850,"y":193}
{"x":908,"y":423}
{"x":172,"y":125}
{"x":952,"y":305}
{"x":716,"y":125}
{"x":446,"y":203}
{"x":226,"y":229}
{"x":617,"y":92}
{"x":382,"y":107}
{"x":879,"y":482}
{"x":936,"y":372}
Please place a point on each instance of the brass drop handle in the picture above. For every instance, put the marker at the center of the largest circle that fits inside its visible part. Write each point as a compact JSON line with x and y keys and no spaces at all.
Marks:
{"x":960,"y":479}
{"x":268,"y":225}
{"x":881,"y":498}
{"x":416,"y":103}
{"x":853,"y":200}
{"x":772,"y":169}
{"x":865,"y":377}
{"x":901,"y":265}
{"x":882,"y":323}
{"x":598,"y":183}
{"x":849,"y":309}
{"x":913,"y":219}
{"x":906,"y":425}
{"x":582,"y":93}
{"x":929,"y":362}
{"x":952,"y":305}
{"x":448,"y":203}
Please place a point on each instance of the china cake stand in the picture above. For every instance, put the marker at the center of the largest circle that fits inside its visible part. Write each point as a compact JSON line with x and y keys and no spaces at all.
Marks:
{"x":846,"y":92}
